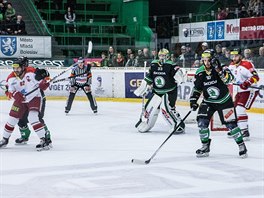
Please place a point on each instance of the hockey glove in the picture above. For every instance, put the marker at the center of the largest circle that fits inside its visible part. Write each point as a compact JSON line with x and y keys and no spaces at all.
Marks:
{"x":18,"y":97}
{"x":245,"y":84}
{"x":41,"y":74}
{"x":43,"y":85}
{"x":193,"y":104}
{"x":216,"y":65}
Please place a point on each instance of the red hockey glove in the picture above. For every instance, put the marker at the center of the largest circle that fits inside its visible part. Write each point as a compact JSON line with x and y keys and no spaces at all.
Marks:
{"x":18,"y":96}
{"x":245,"y":84}
{"x":43,"y":85}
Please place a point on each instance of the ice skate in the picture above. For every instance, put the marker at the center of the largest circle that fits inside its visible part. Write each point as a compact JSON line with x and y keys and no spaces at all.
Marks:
{"x":3,"y":142}
{"x":204,"y":151}
{"x":95,"y":111}
{"x":67,"y":112}
{"x":43,"y":145}
{"x":21,"y":141}
{"x":242,"y":150}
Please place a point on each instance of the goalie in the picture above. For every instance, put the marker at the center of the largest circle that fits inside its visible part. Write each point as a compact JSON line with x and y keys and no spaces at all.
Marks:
{"x":163,"y":78}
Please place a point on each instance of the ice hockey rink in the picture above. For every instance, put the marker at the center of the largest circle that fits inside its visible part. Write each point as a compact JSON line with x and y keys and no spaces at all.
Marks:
{"x":91,"y":158}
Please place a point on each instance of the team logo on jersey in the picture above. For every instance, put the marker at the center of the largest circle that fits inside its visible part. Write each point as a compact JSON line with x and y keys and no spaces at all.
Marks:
{"x":8,"y":45}
{"x":159,"y":81}
{"x":213,"y":92}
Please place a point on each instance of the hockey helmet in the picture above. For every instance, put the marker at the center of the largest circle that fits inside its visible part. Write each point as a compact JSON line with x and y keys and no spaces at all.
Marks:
{"x":24,"y":61}
{"x":208,"y":53}
{"x":163,"y":54}
{"x":18,"y":67}
{"x":236,"y":51}
{"x":80,"y":60}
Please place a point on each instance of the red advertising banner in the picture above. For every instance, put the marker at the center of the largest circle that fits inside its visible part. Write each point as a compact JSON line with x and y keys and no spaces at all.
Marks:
{"x":96,"y":61}
{"x":252,"y":28}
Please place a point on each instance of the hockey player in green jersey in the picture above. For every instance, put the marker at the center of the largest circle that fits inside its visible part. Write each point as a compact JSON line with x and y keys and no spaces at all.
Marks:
{"x":211,"y":80}
{"x":163,"y":78}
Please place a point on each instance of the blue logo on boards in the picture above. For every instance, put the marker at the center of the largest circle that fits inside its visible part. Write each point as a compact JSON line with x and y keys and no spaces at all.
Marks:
{"x":220,"y":30}
{"x":216,"y":30}
{"x":8,"y":45}
{"x":211,"y":31}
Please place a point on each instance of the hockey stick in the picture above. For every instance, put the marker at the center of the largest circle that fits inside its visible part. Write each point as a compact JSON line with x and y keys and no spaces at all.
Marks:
{"x":143,"y":99}
{"x":89,"y":51}
{"x":67,"y":78}
{"x":261,"y":87}
{"x":136,"y":161}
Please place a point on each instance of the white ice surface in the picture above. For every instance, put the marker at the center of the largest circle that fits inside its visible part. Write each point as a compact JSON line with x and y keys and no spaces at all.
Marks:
{"x":92,"y":158}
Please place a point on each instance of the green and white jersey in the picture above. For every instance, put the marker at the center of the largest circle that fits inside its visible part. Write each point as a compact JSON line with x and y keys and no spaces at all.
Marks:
{"x":212,"y":86}
{"x":161,"y":76}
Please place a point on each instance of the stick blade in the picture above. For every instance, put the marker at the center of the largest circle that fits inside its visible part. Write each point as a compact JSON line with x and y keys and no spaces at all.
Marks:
{"x":90,"y":47}
{"x":137,"y":161}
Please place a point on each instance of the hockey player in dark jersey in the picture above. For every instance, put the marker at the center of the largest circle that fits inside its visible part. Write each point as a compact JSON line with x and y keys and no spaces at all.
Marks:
{"x":82,"y":78}
{"x":163,"y":79}
{"x":211,"y":80}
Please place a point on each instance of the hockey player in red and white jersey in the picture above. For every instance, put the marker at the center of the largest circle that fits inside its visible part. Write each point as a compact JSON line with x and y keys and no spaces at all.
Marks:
{"x":20,"y":82}
{"x":245,"y":75}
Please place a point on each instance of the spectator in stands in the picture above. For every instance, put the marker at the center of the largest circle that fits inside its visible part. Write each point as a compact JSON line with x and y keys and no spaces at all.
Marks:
{"x":226,"y":60}
{"x":221,"y":14}
{"x":229,"y":14}
{"x":139,"y":58}
{"x":201,"y":49}
{"x":19,"y":26}
{"x":104,"y":62}
{"x":189,"y":56}
{"x":70,"y":17}
{"x":196,"y":64}
{"x":8,"y":26}
{"x":2,"y":12}
{"x":131,"y":62}
{"x":120,"y":61}
{"x":243,"y":13}
{"x":218,"y":53}
{"x":173,"y":58}
{"x":111,"y":56}
{"x":129,"y":51}
{"x":146,"y":56}
{"x":10,"y":11}
{"x":240,"y":5}
{"x":247,"y":55}
{"x":182,"y":57}
{"x":154,"y":54}
{"x":259,"y":63}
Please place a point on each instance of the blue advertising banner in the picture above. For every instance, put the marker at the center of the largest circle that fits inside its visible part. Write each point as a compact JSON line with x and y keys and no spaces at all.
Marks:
{"x":211,"y":31}
{"x":132,"y":82}
{"x":220,"y":30}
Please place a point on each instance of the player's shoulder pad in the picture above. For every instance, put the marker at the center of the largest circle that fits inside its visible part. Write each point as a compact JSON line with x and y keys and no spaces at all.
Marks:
{"x":200,"y":70}
{"x":247,"y":64}
{"x":11,"y":75}
{"x":30,"y":69}
{"x":169,"y":62}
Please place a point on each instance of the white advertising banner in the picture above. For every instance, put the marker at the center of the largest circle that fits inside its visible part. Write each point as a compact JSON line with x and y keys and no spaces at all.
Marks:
{"x":209,"y":31}
{"x":192,"y":32}
{"x":232,"y":28}
{"x":30,"y":46}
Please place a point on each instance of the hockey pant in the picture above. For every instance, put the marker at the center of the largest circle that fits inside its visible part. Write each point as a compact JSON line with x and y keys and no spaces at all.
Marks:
{"x":18,"y":110}
{"x":227,"y":115}
{"x":152,"y":109}
{"x":244,"y":101}
{"x":22,"y":123}
{"x":87,"y":90}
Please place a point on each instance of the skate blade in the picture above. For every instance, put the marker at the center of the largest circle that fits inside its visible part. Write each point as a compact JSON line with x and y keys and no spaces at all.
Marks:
{"x":202,"y":155}
{"x":22,"y":143}
{"x":244,"y":156}
{"x":46,"y":148}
